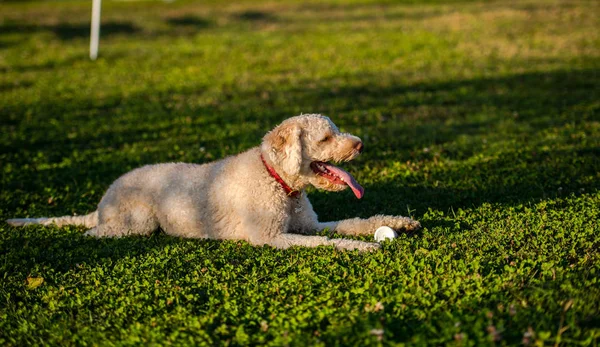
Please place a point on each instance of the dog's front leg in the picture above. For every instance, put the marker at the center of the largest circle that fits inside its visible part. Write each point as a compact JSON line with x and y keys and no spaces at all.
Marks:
{"x":358,"y":226}
{"x":286,"y":240}
{"x":304,"y":221}
{"x":275,"y":229}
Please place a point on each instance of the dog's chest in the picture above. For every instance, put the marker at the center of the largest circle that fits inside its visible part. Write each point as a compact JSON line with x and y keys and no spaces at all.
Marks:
{"x":295,"y":207}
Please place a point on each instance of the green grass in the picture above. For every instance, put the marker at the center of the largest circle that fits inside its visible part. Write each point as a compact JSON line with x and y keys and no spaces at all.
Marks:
{"x":480,"y":119}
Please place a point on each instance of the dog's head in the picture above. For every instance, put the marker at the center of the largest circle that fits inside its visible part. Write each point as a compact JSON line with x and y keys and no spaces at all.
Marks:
{"x":301,"y":148}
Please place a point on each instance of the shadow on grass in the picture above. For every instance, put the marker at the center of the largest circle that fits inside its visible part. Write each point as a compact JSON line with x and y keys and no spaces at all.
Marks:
{"x":65,"y":251}
{"x":12,"y":86}
{"x":46,"y":66}
{"x":256,"y":16}
{"x":528,"y":117}
{"x":411,"y":125}
{"x":192,"y":21}
{"x":25,"y":251}
{"x":186,"y":25}
{"x":70,"y":31}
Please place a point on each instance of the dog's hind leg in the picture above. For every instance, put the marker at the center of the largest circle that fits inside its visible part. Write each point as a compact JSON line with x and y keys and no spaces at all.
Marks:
{"x":134,"y":218}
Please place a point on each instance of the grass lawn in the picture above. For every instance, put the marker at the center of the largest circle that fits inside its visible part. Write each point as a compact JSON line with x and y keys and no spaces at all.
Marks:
{"x":481,"y":119}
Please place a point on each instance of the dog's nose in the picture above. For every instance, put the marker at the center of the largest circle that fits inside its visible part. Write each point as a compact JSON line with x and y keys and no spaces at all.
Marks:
{"x":359,"y":147}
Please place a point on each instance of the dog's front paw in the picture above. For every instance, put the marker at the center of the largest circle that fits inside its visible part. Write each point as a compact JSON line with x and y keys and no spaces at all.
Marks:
{"x":401,"y":224}
{"x":412,"y":225}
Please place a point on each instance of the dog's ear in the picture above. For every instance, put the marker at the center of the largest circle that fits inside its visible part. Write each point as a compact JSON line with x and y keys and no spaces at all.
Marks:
{"x":284,"y":147}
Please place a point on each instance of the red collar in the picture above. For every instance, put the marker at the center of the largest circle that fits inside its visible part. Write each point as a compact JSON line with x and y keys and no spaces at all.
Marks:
{"x":288,"y":190}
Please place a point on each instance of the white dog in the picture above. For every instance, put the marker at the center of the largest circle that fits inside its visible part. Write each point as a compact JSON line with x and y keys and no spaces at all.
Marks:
{"x":257,"y":196}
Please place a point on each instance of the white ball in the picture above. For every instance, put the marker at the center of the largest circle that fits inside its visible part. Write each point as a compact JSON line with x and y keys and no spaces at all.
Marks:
{"x":384,"y":233}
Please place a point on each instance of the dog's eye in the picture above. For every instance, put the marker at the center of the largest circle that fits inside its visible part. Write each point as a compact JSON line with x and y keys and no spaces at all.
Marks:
{"x":326,"y":138}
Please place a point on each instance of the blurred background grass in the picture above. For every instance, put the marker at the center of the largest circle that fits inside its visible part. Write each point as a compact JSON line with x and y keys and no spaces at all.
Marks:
{"x":478,"y":118}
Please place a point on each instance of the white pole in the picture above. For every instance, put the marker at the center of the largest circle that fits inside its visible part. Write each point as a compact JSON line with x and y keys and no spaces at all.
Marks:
{"x":95,"y":32}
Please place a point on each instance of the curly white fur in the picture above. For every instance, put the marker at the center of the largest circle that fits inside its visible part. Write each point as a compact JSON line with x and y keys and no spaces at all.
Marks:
{"x":236,"y":197}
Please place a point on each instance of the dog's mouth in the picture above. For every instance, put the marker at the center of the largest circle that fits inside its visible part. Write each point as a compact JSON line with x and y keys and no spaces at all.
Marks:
{"x":337,"y":176}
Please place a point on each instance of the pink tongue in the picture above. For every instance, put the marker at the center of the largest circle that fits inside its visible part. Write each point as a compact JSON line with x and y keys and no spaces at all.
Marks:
{"x":356,"y":188}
